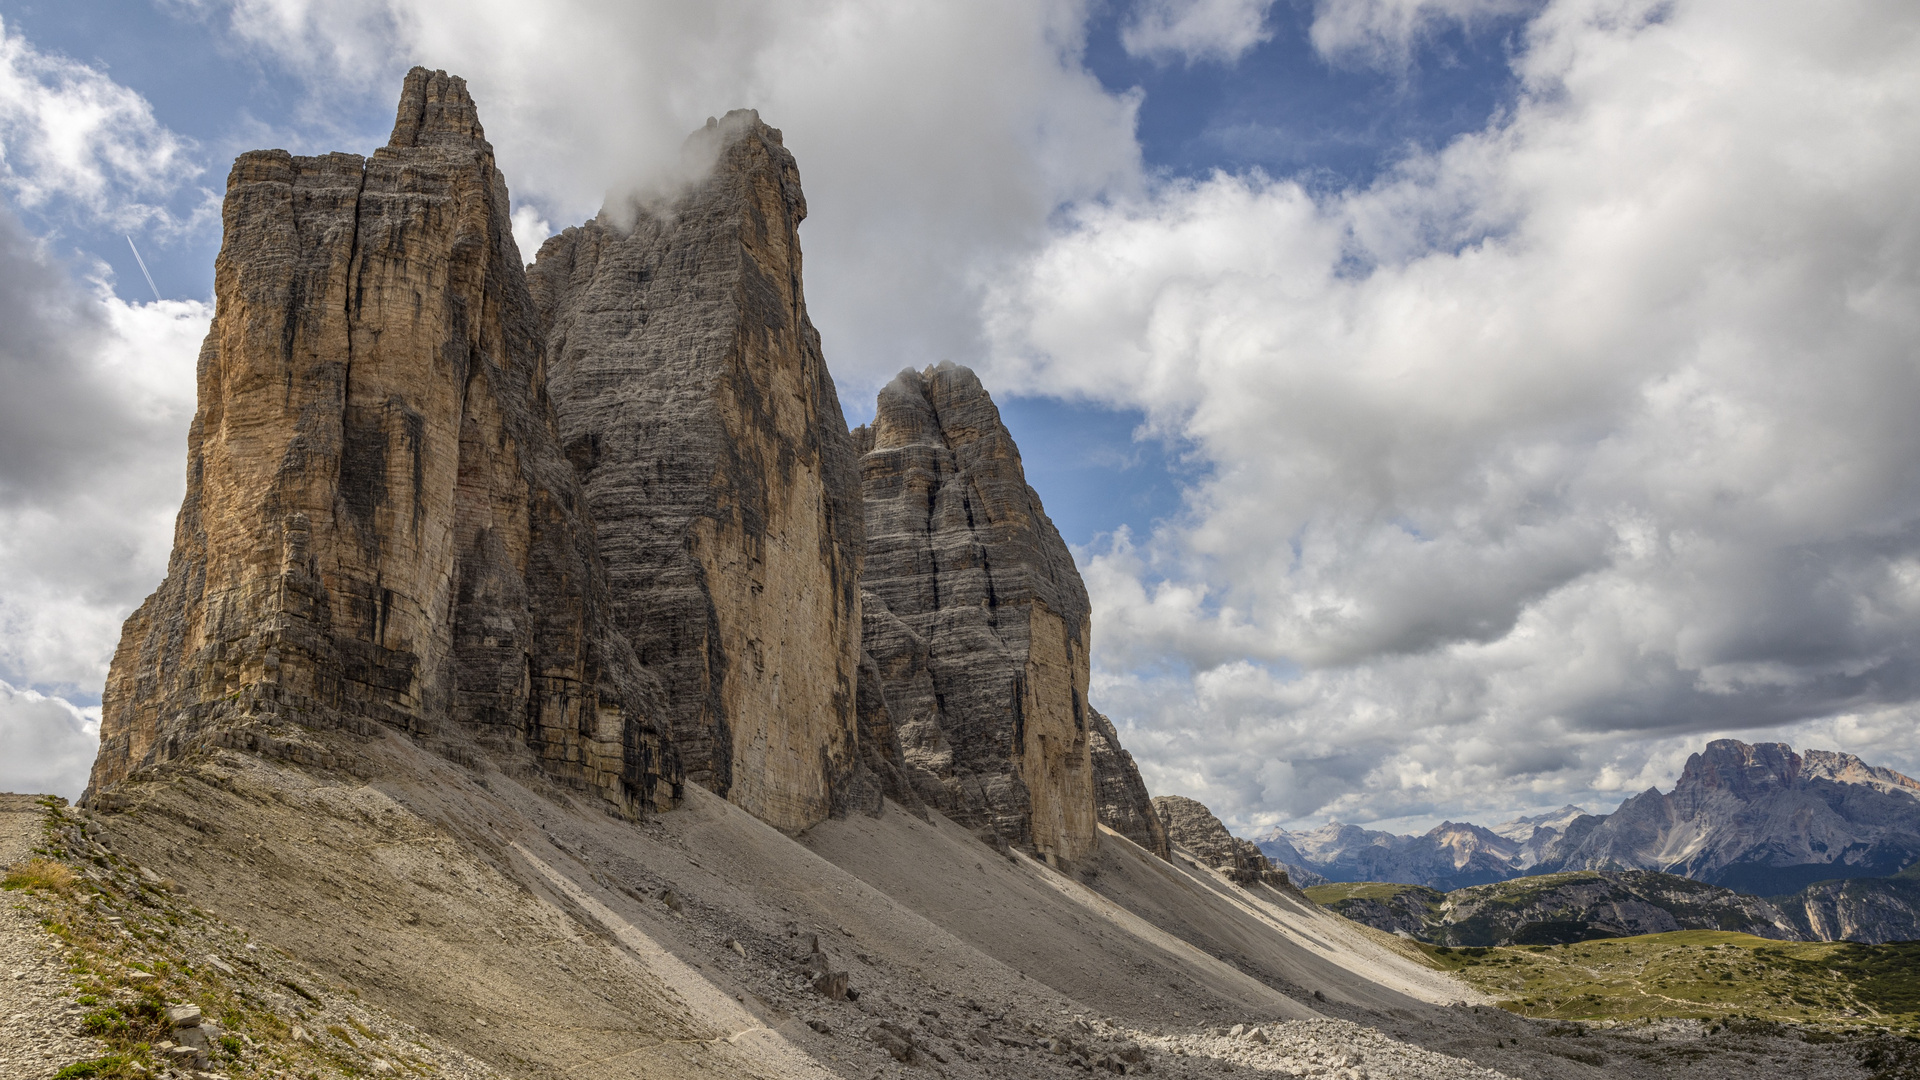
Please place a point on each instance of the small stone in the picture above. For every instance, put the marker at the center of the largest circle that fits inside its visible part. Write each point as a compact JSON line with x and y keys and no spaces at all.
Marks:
{"x":1255,"y":1035}
{"x":149,"y":876}
{"x":381,"y":1067}
{"x":220,"y":965}
{"x":736,"y":947}
{"x":184,"y":1016}
{"x":820,"y":1026}
{"x":673,"y":902}
{"x":831,"y":985}
{"x":1236,"y":1031}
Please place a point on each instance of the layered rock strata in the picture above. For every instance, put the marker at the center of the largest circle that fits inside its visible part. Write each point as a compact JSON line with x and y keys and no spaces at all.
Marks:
{"x":1189,"y":824}
{"x":380,"y":525}
{"x":976,"y":618}
{"x":1122,"y":803}
{"x":696,"y":406}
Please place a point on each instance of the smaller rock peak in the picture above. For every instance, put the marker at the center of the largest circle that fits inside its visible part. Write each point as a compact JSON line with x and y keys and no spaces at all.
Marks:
{"x":435,"y":109}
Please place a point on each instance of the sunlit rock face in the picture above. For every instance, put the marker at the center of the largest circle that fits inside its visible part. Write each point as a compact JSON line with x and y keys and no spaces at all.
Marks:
{"x":380,"y":527}
{"x":1762,"y":819}
{"x":695,"y":404}
{"x":977,"y":619}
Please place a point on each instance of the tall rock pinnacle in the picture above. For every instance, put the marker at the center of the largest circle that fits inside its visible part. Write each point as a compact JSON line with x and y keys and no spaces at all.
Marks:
{"x":379,"y":522}
{"x":694,"y":401}
{"x":976,"y":617}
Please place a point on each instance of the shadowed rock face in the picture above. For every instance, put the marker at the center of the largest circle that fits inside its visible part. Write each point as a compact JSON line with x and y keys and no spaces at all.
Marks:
{"x":1124,"y":805}
{"x":976,"y":618}
{"x":379,"y":522}
{"x":1192,"y":826}
{"x":696,"y":406}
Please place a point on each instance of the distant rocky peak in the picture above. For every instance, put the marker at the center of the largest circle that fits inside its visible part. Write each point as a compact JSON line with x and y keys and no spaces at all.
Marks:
{"x":435,"y":110}
{"x":1848,"y":769}
{"x":1523,"y":829}
{"x":1741,"y":768}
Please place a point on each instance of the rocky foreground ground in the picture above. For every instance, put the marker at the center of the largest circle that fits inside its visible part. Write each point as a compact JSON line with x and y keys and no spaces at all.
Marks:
{"x":684,"y":979}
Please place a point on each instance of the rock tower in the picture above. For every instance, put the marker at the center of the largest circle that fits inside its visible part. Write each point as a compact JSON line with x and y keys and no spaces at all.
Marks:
{"x":976,"y":617}
{"x":694,"y":402}
{"x":380,"y":524}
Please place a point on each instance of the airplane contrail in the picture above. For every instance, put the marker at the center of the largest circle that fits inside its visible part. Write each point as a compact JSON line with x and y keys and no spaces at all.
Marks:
{"x":143,"y":268}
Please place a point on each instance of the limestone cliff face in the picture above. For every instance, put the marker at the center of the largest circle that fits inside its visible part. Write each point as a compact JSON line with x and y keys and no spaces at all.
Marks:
{"x":694,"y":401}
{"x":380,"y":524}
{"x":976,"y":617}
{"x":1192,"y":826}
{"x":1122,"y":803}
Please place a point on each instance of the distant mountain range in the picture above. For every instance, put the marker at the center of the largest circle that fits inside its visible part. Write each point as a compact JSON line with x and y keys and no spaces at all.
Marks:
{"x":1558,"y":909}
{"x":1758,"y":819}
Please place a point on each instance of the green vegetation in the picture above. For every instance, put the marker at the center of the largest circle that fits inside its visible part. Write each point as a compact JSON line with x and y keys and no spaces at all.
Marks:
{"x":1334,"y":892}
{"x":1698,"y":974}
{"x":101,"y":1068}
{"x":130,"y":959}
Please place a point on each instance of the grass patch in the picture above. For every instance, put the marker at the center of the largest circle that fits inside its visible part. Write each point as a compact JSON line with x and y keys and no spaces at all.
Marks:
{"x":101,"y":1068}
{"x":1699,"y":974}
{"x":36,"y":874}
{"x":1334,"y":892}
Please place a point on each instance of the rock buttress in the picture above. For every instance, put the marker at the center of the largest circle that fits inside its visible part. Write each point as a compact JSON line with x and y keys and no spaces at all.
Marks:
{"x":1122,"y":801}
{"x":380,"y":525}
{"x":976,"y":617}
{"x":1191,"y":825}
{"x":695,"y":403}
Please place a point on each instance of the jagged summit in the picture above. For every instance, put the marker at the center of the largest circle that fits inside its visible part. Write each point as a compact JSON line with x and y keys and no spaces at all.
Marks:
{"x":435,"y":109}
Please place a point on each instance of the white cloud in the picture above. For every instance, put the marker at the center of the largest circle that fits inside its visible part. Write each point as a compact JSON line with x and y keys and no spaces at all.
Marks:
{"x":1384,"y":33}
{"x":69,"y":133}
{"x":1195,"y":30}
{"x":530,"y":230}
{"x":95,"y":398}
{"x":50,"y":743}
{"x":934,"y":140}
{"x":1587,"y":435}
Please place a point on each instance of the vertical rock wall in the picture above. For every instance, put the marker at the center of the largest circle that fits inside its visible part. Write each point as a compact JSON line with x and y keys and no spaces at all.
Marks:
{"x":379,"y":523}
{"x":694,"y":401}
{"x":976,"y":618}
{"x":1121,"y":796}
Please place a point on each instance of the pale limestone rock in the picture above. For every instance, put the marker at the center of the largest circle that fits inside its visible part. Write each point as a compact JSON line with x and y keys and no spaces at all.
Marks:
{"x":379,"y":523}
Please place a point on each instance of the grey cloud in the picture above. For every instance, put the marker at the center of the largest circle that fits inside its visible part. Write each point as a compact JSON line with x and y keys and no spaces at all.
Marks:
{"x":55,"y":424}
{"x":95,"y":397}
{"x":50,"y":744}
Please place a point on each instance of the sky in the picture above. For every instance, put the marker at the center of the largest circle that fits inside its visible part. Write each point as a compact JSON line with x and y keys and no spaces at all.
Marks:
{"x":1457,"y":408}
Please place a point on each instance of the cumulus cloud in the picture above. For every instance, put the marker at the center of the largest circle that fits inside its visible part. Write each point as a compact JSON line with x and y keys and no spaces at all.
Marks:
{"x":95,"y":398}
{"x":1585,"y":435}
{"x":50,"y":744}
{"x":934,"y":140}
{"x":70,"y":134}
{"x":1195,"y":30}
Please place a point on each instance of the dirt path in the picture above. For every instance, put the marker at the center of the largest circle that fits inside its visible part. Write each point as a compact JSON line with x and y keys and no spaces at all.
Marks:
{"x":39,"y":1020}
